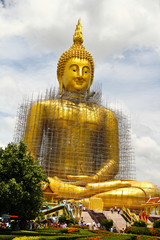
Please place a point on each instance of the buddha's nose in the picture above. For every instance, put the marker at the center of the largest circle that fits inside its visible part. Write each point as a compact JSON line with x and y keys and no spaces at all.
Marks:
{"x":80,"y":73}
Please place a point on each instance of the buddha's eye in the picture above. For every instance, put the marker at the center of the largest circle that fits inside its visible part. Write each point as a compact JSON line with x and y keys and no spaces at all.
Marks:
{"x":73,"y":68}
{"x":86,"y":70}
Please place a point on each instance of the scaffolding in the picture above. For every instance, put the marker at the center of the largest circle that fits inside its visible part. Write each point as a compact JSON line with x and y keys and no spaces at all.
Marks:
{"x":53,"y":147}
{"x":67,"y":136}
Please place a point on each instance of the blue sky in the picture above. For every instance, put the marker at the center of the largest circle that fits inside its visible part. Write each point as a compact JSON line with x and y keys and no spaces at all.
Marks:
{"x":124,"y":39}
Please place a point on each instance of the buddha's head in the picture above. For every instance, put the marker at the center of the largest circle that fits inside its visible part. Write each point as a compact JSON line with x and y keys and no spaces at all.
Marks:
{"x":75,"y":69}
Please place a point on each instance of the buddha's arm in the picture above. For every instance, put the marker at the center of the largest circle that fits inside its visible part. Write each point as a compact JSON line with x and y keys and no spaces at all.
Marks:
{"x":111,"y":164}
{"x":34,"y":128}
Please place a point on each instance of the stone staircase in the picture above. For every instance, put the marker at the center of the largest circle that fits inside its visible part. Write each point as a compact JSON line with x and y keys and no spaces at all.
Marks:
{"x":90,"y":217}
{"x":118,"y":220}
{"x":97,"y":216}
{"x":87,"y":218}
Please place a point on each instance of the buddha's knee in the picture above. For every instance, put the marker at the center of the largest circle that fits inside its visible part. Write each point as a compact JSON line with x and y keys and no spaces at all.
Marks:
{"x":131,"y":197}
{"x":149,"y":188}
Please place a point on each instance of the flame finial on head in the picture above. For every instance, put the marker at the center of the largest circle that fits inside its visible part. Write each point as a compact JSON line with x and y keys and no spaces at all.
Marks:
{"x":78,"y":37}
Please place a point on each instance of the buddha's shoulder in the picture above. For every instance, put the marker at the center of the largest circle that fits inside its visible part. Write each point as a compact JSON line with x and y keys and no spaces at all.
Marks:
{"x":110,"y":113}
{"x":47,"y":103}
{"x":105,"y":111}
{"x":62,"y":103}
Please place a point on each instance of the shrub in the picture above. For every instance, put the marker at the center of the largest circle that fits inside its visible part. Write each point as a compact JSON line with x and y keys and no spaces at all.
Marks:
{"x":5,"y":231}
{"x":79,"y":226}
{"x":72,"y":230}
{"x":156,"y":224}
{"x":64,"y":219}
{"x":6,"y":237}
{"x":64,"y":230}
{"x":107,"y":223}
{"x":143,"y":231}
{"x":140,"y":223}
{"x":138,"y":230}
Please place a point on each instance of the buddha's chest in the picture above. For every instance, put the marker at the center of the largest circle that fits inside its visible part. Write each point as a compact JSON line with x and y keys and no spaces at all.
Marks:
{"x":65,"y":114}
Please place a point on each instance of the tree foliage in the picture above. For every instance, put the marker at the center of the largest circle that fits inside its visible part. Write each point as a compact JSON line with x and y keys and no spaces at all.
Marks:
{"x":107,"y":223}
{"x":20,"y":182}
{"x":66,"y":219}
{"x":156,"y":224}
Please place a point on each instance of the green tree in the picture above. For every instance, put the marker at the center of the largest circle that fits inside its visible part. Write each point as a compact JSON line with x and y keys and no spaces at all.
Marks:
{"x":107,"y":223}
{"x":20,"y":182}
{"x":156,"y":224}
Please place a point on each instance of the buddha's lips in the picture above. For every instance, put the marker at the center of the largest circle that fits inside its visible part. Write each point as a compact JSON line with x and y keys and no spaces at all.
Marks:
{"x":79,"y":81}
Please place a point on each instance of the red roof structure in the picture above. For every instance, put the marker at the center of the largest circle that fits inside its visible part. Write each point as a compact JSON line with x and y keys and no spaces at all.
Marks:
{"x":153,"y":200}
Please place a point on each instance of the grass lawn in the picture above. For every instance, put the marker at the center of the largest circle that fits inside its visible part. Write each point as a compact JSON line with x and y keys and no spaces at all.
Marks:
{"x":44,"y":234}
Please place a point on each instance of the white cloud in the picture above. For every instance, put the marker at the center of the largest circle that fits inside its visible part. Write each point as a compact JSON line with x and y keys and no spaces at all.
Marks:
{"x":123,"y":37}
{"x":146,"y":147}
{"x":147,"y":156}
{"x":114,"y":25}
{"x":9,"y":92}
{"x":7,"y":125}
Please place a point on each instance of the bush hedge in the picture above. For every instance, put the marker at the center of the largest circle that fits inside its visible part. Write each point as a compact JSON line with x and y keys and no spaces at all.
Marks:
{"x":143,"y":231}
{"x":64,"y":219}
{"x":156,"y":224}
{"x":107,"y":223}
{"x":43,"y":234}
{"x":140,"y":223}
{"x":88,"y":236}
{"x":26,"y":238}
{"x":6,"y":237}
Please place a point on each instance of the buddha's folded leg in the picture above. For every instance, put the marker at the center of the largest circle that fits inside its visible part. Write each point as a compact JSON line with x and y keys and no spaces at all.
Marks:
{"x":67,"y":190}
{"x":116,"y":192}
{"x":149,"y":188}
{"x":107,"y":186}
{"x":131,"y":197}
{"x":71,"y":191}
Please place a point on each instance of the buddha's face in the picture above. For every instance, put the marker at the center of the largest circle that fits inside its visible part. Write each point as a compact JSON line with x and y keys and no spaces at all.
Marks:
{"x":77,"y":75}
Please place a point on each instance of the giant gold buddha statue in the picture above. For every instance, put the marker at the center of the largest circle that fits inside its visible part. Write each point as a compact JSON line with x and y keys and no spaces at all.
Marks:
{"x":80,"y":138}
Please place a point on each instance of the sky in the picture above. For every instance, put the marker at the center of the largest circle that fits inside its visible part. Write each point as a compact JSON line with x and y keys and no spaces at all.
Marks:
{"x":123,"y":37}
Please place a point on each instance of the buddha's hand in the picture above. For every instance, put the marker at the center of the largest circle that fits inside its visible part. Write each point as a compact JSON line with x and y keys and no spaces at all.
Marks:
{"x":83,"y":179}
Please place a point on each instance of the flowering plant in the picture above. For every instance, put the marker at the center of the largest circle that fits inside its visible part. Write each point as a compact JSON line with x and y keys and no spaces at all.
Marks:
{"x":72,"y":230}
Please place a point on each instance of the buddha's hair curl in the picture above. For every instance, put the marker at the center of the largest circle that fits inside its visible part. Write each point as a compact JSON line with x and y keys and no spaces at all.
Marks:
{"x":75,"y":51}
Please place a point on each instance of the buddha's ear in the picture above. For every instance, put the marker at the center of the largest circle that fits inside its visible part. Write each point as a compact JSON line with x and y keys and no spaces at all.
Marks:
{"x":60,"y":84}
{"x":88,"y":91}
